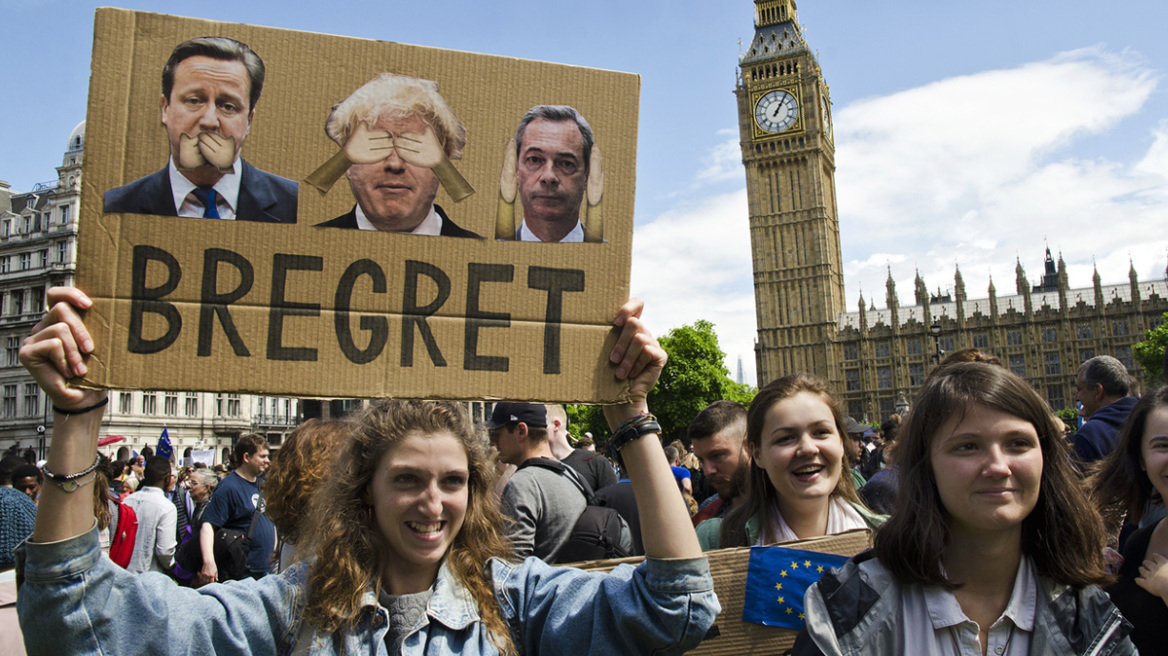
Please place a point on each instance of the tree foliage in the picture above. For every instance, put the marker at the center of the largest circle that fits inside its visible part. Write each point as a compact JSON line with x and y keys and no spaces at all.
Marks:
{"x":694,"y":377}
{"x":1150,"y":352}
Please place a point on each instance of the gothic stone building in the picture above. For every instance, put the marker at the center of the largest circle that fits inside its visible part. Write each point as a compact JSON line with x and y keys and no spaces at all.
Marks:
{"x":38,"y":249}
{"x":877,"y":359}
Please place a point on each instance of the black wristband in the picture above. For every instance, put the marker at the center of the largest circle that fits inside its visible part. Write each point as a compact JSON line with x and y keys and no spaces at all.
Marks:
{"x":80,"y":411}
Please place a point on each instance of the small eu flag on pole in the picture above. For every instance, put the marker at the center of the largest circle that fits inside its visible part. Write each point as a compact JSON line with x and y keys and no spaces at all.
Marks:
{"x":164,"y":448}
{"x":776,"y":579}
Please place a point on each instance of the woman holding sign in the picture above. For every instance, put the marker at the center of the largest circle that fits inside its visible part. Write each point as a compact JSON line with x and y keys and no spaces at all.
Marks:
{"x":994,"y":547}
{"x":408,"y":559}
{"x":798,"y":485}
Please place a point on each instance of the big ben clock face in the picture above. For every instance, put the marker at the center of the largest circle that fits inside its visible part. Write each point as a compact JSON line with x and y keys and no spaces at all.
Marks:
{"x":776,"y":111}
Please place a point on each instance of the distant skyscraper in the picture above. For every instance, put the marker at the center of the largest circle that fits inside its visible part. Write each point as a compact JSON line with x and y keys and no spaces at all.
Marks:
{"x":741,"y":378}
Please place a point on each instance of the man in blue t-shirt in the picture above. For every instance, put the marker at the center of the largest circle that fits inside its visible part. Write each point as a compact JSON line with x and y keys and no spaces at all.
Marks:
{"x":235,"y":500}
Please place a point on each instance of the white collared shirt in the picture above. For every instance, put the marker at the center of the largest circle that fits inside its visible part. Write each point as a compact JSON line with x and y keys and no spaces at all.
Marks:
{"x":227,"y":190}
{"x":156,"y":539}
{"x":431,"y":225}
{"x":576,"y":235}
{"x":935,"y":624}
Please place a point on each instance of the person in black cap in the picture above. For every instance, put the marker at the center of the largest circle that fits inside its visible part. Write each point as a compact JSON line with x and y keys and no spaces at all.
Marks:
{"x":543,"y":504}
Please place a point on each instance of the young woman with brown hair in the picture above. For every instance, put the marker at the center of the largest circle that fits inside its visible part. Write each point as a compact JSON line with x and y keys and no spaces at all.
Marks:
{"x":408,"y":528}
{"x":993,"y":548}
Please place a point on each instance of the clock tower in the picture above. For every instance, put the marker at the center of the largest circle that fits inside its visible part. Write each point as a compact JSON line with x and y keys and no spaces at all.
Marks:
{"x":784,"y":117}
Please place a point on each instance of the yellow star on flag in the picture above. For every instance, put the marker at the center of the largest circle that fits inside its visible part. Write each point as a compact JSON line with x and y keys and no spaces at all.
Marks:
{"x":789,"y":611}
{"x":794,"y":565}
{"x":778,"y":586}
{"x":807,"y":563}
{"x":801,"y":616}
{"x":819,"y":569}
{"x":782,"y":600}
{"x":783,"y":573}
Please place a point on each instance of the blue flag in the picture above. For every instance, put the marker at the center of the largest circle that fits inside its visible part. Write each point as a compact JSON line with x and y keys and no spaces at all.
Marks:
{"x":164,"y":448}
{"x":776,"y":580}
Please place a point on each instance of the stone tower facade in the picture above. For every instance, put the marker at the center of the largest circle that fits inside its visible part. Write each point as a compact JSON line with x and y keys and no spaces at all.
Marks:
{"x":784,"y":117}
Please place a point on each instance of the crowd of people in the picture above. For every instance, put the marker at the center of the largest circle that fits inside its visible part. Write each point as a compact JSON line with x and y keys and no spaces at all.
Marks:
{"x":405,"y":529}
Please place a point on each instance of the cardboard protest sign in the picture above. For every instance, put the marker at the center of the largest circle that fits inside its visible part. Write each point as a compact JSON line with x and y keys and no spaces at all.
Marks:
{"x":380,"y":204}
{"x":731,"y":635}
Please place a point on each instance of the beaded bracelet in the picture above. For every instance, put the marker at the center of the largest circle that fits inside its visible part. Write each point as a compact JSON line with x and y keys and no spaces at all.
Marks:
{"x":68,"y":482}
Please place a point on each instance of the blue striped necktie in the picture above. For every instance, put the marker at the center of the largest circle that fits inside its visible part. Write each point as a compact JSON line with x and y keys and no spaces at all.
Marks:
{"x":207,"y":197}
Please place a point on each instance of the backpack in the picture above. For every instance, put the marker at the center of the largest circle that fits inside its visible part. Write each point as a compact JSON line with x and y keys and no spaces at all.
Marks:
{"x":122,"y":546}
{"x":600,"y":533}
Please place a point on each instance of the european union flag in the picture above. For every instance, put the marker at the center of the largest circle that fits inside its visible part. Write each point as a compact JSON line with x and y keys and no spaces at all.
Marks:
{"x":164,"y":448}
{"x":776,"y":579}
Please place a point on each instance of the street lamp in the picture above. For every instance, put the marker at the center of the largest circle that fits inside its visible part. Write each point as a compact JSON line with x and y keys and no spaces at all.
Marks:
{"x":935,"y":331}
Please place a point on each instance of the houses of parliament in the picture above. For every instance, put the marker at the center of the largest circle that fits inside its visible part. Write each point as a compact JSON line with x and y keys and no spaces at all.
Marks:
{"x":876,"y":359}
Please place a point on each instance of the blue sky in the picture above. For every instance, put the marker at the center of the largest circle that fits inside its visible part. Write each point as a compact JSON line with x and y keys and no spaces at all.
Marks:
{"x":967,"y":133}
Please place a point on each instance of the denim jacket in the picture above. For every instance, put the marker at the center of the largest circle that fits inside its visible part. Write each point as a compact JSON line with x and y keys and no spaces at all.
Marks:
{"x":74,"y":601}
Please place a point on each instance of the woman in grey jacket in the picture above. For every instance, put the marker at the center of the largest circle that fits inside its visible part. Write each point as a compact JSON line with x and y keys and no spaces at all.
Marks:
{"x":994,"y":547}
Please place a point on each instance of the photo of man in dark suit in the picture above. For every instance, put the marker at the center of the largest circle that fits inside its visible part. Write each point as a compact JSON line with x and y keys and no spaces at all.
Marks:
{"x":398,"y":136}
{"x":210,"y":87}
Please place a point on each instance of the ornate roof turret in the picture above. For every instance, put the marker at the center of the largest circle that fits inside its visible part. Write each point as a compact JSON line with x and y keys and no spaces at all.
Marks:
{"x":776,"y":31}
{"x":1020,"y":278}
{"x":890,"y":285}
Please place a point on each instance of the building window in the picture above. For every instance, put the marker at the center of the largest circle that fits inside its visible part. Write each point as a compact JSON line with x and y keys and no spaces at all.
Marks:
{"x":18,"y":302}
{"x":882,"y":349}
{"x":1018,"y":365}
{"x":4,"y":264}
{"x":192,"y":405}
{"x":9,"y":403}
{"x":64,"y":214}
{"x":1119,"y":327}
{"x":913,"y":346}
{"x":25,"y":261}
{"x":1049,"y":335}
{"x":855,"y":409}
{"x":10,"y":353}
{"x":43,"y":259}
{"x":946,"y":343}
{"x":916,"y":374}
{"x":884,"y":377}
{"x":1086,"y":355}
{"x":981,"y":340}
{"x":851,"y":352}
{"x":27,"y":224}
{"x":38,"y":299}
{"x":149,"y":403}
{"x":170,"y":404}
{"x":63,"y":252}
{"x":232,"y":405}
{"x":219,"y":405}
{"x":1124,"y":355}
{"x":125,"y":403}
{"x":6,"y":228}
{"x":1051,"y":362}
{"x":852,"y":376}
{"x":288,"y":409}
{"x":32,"y":400}
{"x":1054,"y":394}
{"x":887,"y":407}
{"x":1083,"y":331}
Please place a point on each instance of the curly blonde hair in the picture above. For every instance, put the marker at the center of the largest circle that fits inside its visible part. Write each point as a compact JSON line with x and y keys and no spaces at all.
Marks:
{"x":345,"y":538}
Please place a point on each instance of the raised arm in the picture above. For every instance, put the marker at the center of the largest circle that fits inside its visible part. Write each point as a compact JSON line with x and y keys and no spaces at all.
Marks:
{"x":56,"y":352}
{"x":665,"y":525}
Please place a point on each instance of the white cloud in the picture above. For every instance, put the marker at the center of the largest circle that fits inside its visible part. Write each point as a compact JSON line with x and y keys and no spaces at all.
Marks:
{"x":693,"y":262}
{"x":974,"y":171}
{"x":969,"y":172}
